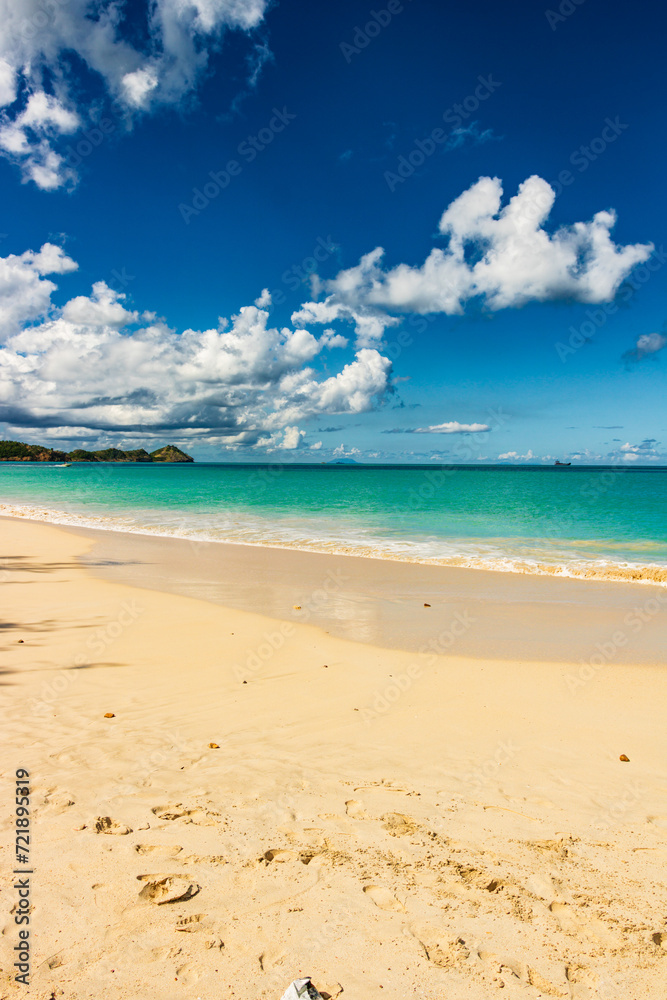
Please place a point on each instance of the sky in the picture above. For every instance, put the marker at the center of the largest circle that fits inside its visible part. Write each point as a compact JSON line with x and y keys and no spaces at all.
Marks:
{"x":266,"y":230}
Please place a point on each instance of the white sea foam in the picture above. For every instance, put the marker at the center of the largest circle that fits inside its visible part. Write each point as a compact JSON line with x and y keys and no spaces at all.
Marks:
{"x":500,"y":556}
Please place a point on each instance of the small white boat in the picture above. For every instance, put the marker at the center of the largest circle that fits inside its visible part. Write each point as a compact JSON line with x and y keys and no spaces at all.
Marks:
{"x":62,"y":465}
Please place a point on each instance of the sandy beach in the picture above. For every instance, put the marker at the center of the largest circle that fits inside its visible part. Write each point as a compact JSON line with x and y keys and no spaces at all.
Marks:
{"x":269,"y":800}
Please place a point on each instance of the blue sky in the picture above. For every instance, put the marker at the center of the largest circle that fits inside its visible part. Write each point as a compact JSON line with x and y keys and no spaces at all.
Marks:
{"x":333,"y":130}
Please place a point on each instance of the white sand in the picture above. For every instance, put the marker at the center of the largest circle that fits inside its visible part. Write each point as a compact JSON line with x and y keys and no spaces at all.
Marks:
{"x":393,"y":825}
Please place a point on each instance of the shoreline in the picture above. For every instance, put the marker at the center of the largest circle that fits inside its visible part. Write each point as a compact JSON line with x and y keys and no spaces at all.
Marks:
{"x":473,"y":613}
{"x":391,"y":825}
{"x":598,"y":570}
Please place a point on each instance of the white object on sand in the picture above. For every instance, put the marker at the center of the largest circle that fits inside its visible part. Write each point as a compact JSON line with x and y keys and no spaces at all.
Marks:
{"x":301,"y":989}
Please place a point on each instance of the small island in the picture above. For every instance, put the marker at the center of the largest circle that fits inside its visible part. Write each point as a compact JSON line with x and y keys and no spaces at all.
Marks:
{"x":17,"y":451}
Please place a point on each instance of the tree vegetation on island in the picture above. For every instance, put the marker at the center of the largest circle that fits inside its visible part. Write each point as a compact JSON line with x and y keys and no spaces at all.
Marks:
{"x":18,"y":451}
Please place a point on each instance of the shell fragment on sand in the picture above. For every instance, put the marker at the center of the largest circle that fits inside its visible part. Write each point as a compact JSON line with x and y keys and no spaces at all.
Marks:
{"x":301,"y":989}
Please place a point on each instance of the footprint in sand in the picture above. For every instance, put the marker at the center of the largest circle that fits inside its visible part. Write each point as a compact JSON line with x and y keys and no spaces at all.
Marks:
{"x":172,"y":850}
{"x":541,"y":885}
{"x":179,"y":811}
{"x":590,"y":927}
{"x":284,"y":855}
{"x":355,"y":809}
{"x":161,"y":954}
{"x":57,"y":801}
{"x":105,"y":824}
{"x":583,"y":983}
{"x":440,"y":947}
{"x":204,"y":859}
{"x":383,"y":898}
{"x":553,"y":985}
{"x":280,"y":855}
{"x":382,"y":786}
{"x":187,"y":974}
{"x":269,"y":960}
{"x":398,"y":825}
{"x":161,"y":889}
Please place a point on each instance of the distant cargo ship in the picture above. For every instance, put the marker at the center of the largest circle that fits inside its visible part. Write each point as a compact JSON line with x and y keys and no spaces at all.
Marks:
{"x":562,"y":463}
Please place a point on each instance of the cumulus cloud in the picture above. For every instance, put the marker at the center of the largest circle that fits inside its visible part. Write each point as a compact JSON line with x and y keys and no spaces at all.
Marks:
{"x":293,"y":438}
{"x":514,"y":456}
{"x":25,"y":294}
{"x":290,"y":439}
{"x":97,"y":366}
{"x":647,"y":345}
{"x":501,"y":256}
{"x":645,"y":451}
{"x":369,"y":322}
{"x":332,"y":339}
{"x":264,"y":300}
{"x":343,"y":452}
{"x":42,"y":87}
{"x":102,"y":308}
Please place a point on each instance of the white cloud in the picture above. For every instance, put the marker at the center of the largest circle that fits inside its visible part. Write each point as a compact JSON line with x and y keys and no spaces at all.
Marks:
{"x":138,"y":87}
{"x":7,"y":83}
{"x":453,"y":427}
{"x":370,"y":323}
{"x":264,"y":300}
{"x":514,"y":456}
{"x":293,"y":438}
{"x":97,"y":367}
{"x":25,"y":295}
{"x":44,"y":111}
{"x":289,"y":439}
{"x":103,"y":308}
{"x":342,"y":452}
{"x":333,"y":339}
{"x":645,"y":451}
{"x":27,"y":137}
{"x":647,"y":344}
{"x":38,"y":39}
{"x":501,"y":255}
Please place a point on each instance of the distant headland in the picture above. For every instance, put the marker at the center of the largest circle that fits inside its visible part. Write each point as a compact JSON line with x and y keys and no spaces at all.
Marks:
{"x":17,"y":451}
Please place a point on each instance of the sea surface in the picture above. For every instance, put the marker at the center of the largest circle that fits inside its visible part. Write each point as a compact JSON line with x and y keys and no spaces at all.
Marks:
{"x":594,"y":521}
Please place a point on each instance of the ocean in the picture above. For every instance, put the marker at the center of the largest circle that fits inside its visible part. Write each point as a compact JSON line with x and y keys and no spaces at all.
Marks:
{"x":591,"y":521}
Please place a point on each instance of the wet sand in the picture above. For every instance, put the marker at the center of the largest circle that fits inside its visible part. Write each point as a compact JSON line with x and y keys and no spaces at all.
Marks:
{"x":473,"y":613}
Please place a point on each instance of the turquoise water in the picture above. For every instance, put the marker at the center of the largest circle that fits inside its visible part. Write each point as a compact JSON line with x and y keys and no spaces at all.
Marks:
{"x":578,"y":520}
